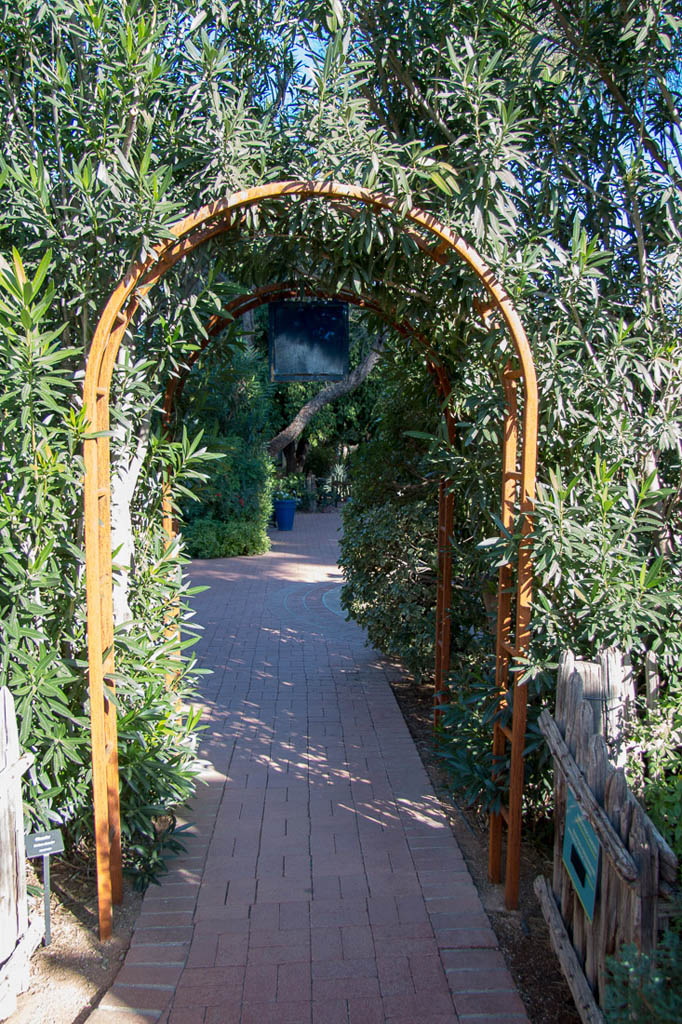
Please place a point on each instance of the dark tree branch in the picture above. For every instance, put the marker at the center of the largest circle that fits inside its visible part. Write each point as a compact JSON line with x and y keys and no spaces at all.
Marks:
{"x":593,"y":60}
{"x":418,"y":96}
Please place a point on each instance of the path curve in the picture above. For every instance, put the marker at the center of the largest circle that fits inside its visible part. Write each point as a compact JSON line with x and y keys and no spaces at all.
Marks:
{"x":321,"y":883}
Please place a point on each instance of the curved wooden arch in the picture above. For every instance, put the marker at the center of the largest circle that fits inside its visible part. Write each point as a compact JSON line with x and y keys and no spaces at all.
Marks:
{"x":518,"y":485}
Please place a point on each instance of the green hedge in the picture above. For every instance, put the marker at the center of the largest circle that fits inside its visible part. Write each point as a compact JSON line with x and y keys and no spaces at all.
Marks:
{"x":387,"y":554}
{"x":211,"y":538}
{"x":43,"y":653}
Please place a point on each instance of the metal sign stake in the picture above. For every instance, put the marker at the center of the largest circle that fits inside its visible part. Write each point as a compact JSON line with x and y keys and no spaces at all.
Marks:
{"x":43,"y":844}
{"x":46,"y":898}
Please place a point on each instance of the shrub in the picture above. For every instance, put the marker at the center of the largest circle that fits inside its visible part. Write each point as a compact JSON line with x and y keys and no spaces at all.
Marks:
{"x":646,"y":988}
{"x":319,"y":460}
{"x":387,"y":555}
{"x":239,"y":484}
{"x":229,"y":397}
{"x":293,"y":485}
{"x":42,"y":602}
{"x":308,"y":500}
{"x":210,"y":538}
{"x":654,"y":746}
{"x":388,"y":547}
{"x":157,"y":734}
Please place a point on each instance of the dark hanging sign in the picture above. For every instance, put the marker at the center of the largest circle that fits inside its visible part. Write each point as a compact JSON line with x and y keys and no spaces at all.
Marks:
{"x":308,"y":341}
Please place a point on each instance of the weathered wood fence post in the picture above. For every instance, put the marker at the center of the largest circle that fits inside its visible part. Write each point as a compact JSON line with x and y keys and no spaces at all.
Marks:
{"x":631,"y":865}
{"x":18,"y":940}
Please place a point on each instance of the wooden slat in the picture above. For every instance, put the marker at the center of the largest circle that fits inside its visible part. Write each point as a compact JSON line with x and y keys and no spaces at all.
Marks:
{"x":584,"y":1000}
{"x":13,"y":905}
{"x":566,"y":667}
{"x":607,"y":835}
{"x":15,"y":976}
{"x":653,"y":679}
{"x":615,"y":795}
{"x":598,"y":770}
{"x":644,"y":852}
{"x":669,"y":864}
{"x":584,"y":733}
{"x":590,"y":675}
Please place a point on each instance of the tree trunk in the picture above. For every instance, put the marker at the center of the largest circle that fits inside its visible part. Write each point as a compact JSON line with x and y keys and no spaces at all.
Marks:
{"x":123,"y":484}
{"x":663,"y":534}
{"x":290,"y":461}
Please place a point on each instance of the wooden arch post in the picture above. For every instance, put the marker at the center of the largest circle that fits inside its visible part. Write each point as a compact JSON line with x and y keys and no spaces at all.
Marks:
{"x":434,"y":239}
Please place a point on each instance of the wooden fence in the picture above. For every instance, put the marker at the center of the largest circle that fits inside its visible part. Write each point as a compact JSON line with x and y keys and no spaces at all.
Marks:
{"x":18,"y":939}
{"x":637,"y":868}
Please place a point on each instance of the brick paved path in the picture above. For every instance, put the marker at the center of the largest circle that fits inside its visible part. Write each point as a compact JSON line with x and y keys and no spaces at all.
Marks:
{"x":321,"y":884}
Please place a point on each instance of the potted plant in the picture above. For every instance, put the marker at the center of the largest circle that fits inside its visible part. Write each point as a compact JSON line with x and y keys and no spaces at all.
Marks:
{"x":285,"y":509}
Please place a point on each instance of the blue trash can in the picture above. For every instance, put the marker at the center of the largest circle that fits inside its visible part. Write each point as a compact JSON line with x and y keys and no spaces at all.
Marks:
{"x":285,"y":509}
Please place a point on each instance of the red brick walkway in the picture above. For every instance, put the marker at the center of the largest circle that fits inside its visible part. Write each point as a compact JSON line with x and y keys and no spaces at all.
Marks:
{"x":321,"y":883}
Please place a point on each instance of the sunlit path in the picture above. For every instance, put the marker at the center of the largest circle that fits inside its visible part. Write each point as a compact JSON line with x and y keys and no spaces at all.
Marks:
{"x":321,"y":882}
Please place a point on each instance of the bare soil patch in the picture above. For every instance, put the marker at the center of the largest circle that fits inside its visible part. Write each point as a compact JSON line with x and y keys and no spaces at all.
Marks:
{"x":70,"y":976}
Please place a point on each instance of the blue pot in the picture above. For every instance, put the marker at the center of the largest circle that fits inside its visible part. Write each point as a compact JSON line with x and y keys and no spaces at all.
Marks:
{"x":285,"y":509}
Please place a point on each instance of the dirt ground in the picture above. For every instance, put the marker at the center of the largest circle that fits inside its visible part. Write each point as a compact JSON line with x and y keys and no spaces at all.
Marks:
{"x":70,"y":975}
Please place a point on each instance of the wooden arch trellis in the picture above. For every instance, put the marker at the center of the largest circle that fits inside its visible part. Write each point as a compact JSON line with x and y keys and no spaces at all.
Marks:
{"x":518,"y":489}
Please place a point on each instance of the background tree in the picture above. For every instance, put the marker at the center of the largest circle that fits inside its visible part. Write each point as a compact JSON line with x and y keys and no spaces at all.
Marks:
{"x":316,"y":422}
{"x":115,"y":118}
{"x":560,"y":128}
{"x":544,"y":132}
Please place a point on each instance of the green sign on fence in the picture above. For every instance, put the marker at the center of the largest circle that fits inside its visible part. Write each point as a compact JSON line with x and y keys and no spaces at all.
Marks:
{"x":581,"y":854}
